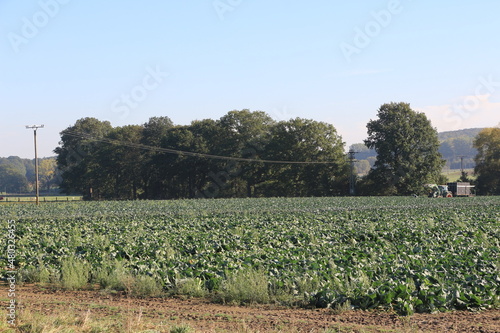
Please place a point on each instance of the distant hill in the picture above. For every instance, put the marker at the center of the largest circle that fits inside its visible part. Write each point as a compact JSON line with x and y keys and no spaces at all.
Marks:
{"x":454,"y":145}
{"x":469,"y":133}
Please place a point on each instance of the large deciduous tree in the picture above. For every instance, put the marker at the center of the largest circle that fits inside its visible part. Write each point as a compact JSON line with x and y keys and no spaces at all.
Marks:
{"x":244,"y":134}
{"x":306,"y":140}
{"x":407,"y":149}
{"x":154,"y":132}
{"x":488,"y":161}
{"x":121,"y":162}
{"x":77,"y":157}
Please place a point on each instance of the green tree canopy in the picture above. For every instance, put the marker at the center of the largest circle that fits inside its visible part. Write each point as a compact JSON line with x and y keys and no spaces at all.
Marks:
{"x":245,"y":134}
{"x":488,"y":161}
{"x":12,"y":179}
{"x":132,"y":162}
{"x":77,"y":156}
{"x":407,"y":149}
{"x":309,"y":141}
{"x":47,"y":170}
{"x":121,"y":163}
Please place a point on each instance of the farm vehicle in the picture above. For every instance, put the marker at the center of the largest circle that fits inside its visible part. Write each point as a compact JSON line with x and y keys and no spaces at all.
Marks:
{"x":438,"y":191}
{"x":457,"y":189}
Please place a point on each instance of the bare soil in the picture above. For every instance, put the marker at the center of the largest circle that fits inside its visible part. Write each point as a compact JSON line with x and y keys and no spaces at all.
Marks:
{"x":158,"y":314}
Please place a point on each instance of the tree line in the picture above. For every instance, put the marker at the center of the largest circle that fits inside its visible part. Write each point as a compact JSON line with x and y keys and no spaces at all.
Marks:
{"x":17,"y":175}
{"x":248,"y":154}
{"x":456,"y":148}
{"x":208,"y":158}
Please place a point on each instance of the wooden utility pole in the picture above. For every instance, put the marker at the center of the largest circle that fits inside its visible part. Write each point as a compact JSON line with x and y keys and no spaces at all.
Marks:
{"x":461,"y":163}
{"x":34,"y":128}
{"x":352,"y":178}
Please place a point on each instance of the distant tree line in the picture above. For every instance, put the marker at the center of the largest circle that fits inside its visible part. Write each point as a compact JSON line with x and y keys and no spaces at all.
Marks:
{"x":248,"y":154}
{"x":17,"y":175}
{"x":222,"y":158}
{"x":456,"y":148}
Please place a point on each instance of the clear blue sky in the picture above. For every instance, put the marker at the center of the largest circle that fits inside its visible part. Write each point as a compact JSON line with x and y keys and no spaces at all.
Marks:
{"x":332,"y":61}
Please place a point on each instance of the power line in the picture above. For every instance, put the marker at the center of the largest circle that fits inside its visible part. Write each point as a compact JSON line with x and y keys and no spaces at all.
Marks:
{"x":182,"y":152}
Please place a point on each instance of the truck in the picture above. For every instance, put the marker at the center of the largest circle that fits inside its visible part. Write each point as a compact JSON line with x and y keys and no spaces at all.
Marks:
{"x":456,"y":189}
{"x":462,"y":189}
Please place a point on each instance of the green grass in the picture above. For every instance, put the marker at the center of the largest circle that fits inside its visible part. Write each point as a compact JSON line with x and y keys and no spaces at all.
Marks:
{"x":116,"y":277}
{"x":247,"y":286}
{"x":181,"y":329}
{"x":193,"y":287}
{"x":75,"y":273}
{"x":453,"y":175}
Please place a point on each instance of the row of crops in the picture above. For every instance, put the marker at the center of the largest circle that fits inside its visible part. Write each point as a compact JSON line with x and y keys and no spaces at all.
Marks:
{"x":409,"y":254}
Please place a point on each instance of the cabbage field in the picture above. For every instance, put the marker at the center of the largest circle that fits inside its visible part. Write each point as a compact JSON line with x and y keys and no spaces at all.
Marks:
{"x":406,"y":254}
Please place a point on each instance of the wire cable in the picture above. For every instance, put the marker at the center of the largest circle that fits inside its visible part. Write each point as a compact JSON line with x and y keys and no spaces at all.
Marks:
{"x":182,"y":152}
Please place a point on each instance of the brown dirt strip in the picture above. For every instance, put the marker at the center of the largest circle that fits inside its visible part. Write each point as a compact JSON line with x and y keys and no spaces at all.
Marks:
{"x":204,"y":316}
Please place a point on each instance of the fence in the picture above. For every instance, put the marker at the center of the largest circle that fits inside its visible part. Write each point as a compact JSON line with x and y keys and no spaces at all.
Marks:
{"x":10,"y":198}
